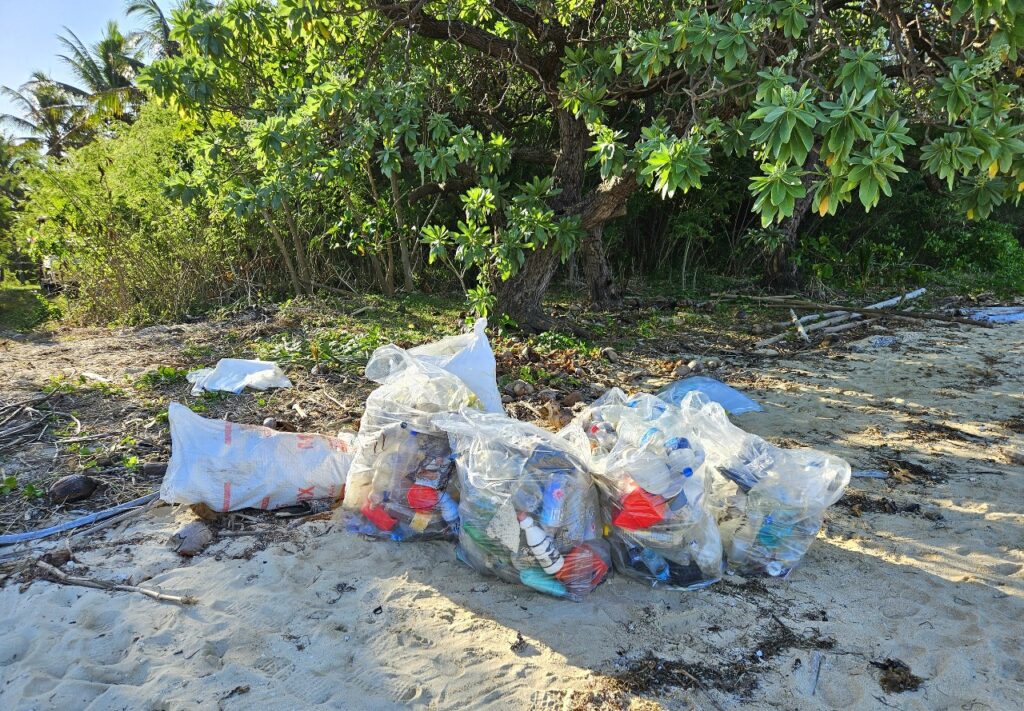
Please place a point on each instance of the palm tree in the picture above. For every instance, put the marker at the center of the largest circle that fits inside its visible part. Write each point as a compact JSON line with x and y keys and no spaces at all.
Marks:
{"x":156,"y":32}
{"x":53,"y":117}
{"x":107,"y":70}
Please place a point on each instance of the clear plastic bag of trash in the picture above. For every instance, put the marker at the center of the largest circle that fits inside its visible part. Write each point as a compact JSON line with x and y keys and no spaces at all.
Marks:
{"x":230,"y":466}
{"x":529,"y":509}
{"x":770,"y":502}
{"x":650,"y":468}
{"x":774,"y":524}
{"x":400,"y":485}
{"x":469,"y":357}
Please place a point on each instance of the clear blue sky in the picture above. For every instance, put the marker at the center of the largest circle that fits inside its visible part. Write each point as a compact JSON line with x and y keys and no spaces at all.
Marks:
{"x":29,"y":29}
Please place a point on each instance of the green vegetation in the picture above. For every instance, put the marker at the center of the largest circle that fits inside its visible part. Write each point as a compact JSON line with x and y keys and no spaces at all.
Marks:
{"x":162,"y":375}
{"x":244,"y":150}
{"x":22,"y":307}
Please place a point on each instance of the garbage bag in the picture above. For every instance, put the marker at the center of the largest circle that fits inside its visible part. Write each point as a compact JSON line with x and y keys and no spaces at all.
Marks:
{"x":649,"y":466}
{"x":769,"y":529}
{"x":529,"y":509}
{"x":400,"y":485}
{"x":469,"y":357}
{"x":230,"y":466}
{"x":769,"y":501}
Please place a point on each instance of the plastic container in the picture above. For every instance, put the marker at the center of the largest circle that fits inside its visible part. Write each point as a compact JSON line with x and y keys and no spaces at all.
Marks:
{"x":649,"y":466}
{"x":400,"y":484}
{"x":529,"y":509}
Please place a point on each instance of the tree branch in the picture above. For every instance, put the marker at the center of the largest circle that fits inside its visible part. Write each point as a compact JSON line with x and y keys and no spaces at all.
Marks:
{"x":464,"y":33}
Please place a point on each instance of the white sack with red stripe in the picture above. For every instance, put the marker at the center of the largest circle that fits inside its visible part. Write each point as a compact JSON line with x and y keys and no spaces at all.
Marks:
{"x":230,"y":466}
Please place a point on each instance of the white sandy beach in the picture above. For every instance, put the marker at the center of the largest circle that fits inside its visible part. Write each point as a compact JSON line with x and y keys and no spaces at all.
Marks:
{"x":313,"y":617}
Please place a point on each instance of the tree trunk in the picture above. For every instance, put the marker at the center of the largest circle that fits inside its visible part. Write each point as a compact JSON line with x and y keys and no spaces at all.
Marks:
{"x":604,"y":293}
{"x":283,"y":249}
{"x":520,"y":297}
{"x":780,"y":270}
{"x":300,"y":249}
{"x":403,"y":247}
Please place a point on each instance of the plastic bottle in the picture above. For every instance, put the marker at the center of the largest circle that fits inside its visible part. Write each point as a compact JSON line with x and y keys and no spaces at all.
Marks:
{"x":651,"y":560}
{"x":539,"y":580}
{"x":602,"y":436}
{"x":448,"y":508}
{"x":541,"y":546}
{"x":528,"y":497}
{"x":552,"y":512}
{"x":653,"y":475}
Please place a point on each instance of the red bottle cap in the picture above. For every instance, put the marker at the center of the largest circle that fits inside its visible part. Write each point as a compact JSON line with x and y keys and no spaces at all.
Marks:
{"x":640,"y":510}
{"x":378,"y":517}
{"x":422,"y":497}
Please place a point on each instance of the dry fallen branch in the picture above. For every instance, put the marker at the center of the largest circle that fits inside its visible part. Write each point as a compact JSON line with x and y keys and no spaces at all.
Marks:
{"x":58,"y":575}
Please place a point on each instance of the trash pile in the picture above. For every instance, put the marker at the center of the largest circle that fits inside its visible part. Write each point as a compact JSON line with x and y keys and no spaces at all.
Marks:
{"x":650,"y":468}
{"x":770,"y":502}
{"x":664,"y":489}
{"x":529,"y":509}
{"x":400,"y":484}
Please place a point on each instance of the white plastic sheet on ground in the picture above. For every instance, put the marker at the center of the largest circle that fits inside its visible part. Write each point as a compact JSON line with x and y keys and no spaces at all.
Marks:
{"x":234,"y":375}
{"x":230,"y":466}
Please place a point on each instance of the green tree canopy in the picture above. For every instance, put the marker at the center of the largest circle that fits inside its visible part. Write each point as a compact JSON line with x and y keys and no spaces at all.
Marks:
{"x":544,"y":117}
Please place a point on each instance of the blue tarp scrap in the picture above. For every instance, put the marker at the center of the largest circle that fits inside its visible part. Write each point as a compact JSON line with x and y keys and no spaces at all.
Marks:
{"x":997,"y":314}
{"x":734,"y":402}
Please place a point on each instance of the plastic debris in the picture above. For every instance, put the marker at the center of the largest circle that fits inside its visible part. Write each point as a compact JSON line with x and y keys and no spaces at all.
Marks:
{"x":997,"y":314}
{"x":782,"y":514}
{"x":770,"y":502}
{"x":873,"y":342}
{"x":230,"y":466}
{"x":529,"y":508}
{"x":649,"y":466}
{"x":869,"y":474}
{"x":734,"y":402}
{"x":234,"y":375}
{"x":400,"y":485}
{"x":469,"y":357}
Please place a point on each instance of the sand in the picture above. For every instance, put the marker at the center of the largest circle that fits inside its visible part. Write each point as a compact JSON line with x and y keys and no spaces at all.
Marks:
{"x":924,"y":567}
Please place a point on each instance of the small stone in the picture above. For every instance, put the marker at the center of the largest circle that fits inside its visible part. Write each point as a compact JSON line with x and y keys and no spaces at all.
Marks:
{"x":579,"y":372}
{"x":681,"y":370}
{"x":154,"y":468}
{"x":315,"y":370}
{"x":519,"y":388}
{"x":572,"y":398}
{"x":695,"y":366}
{"x":548,"y":394}
{"x":75,"y":487}
{"x":610,"y":354}
{"x":713,"y":364}
{"x":270,"y":422}
{"x":598,"y":388}
{"x":191,"y":539}
{"x":757,"y":329}
{"x":766,"y":352}
{"x":506,"y":399}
